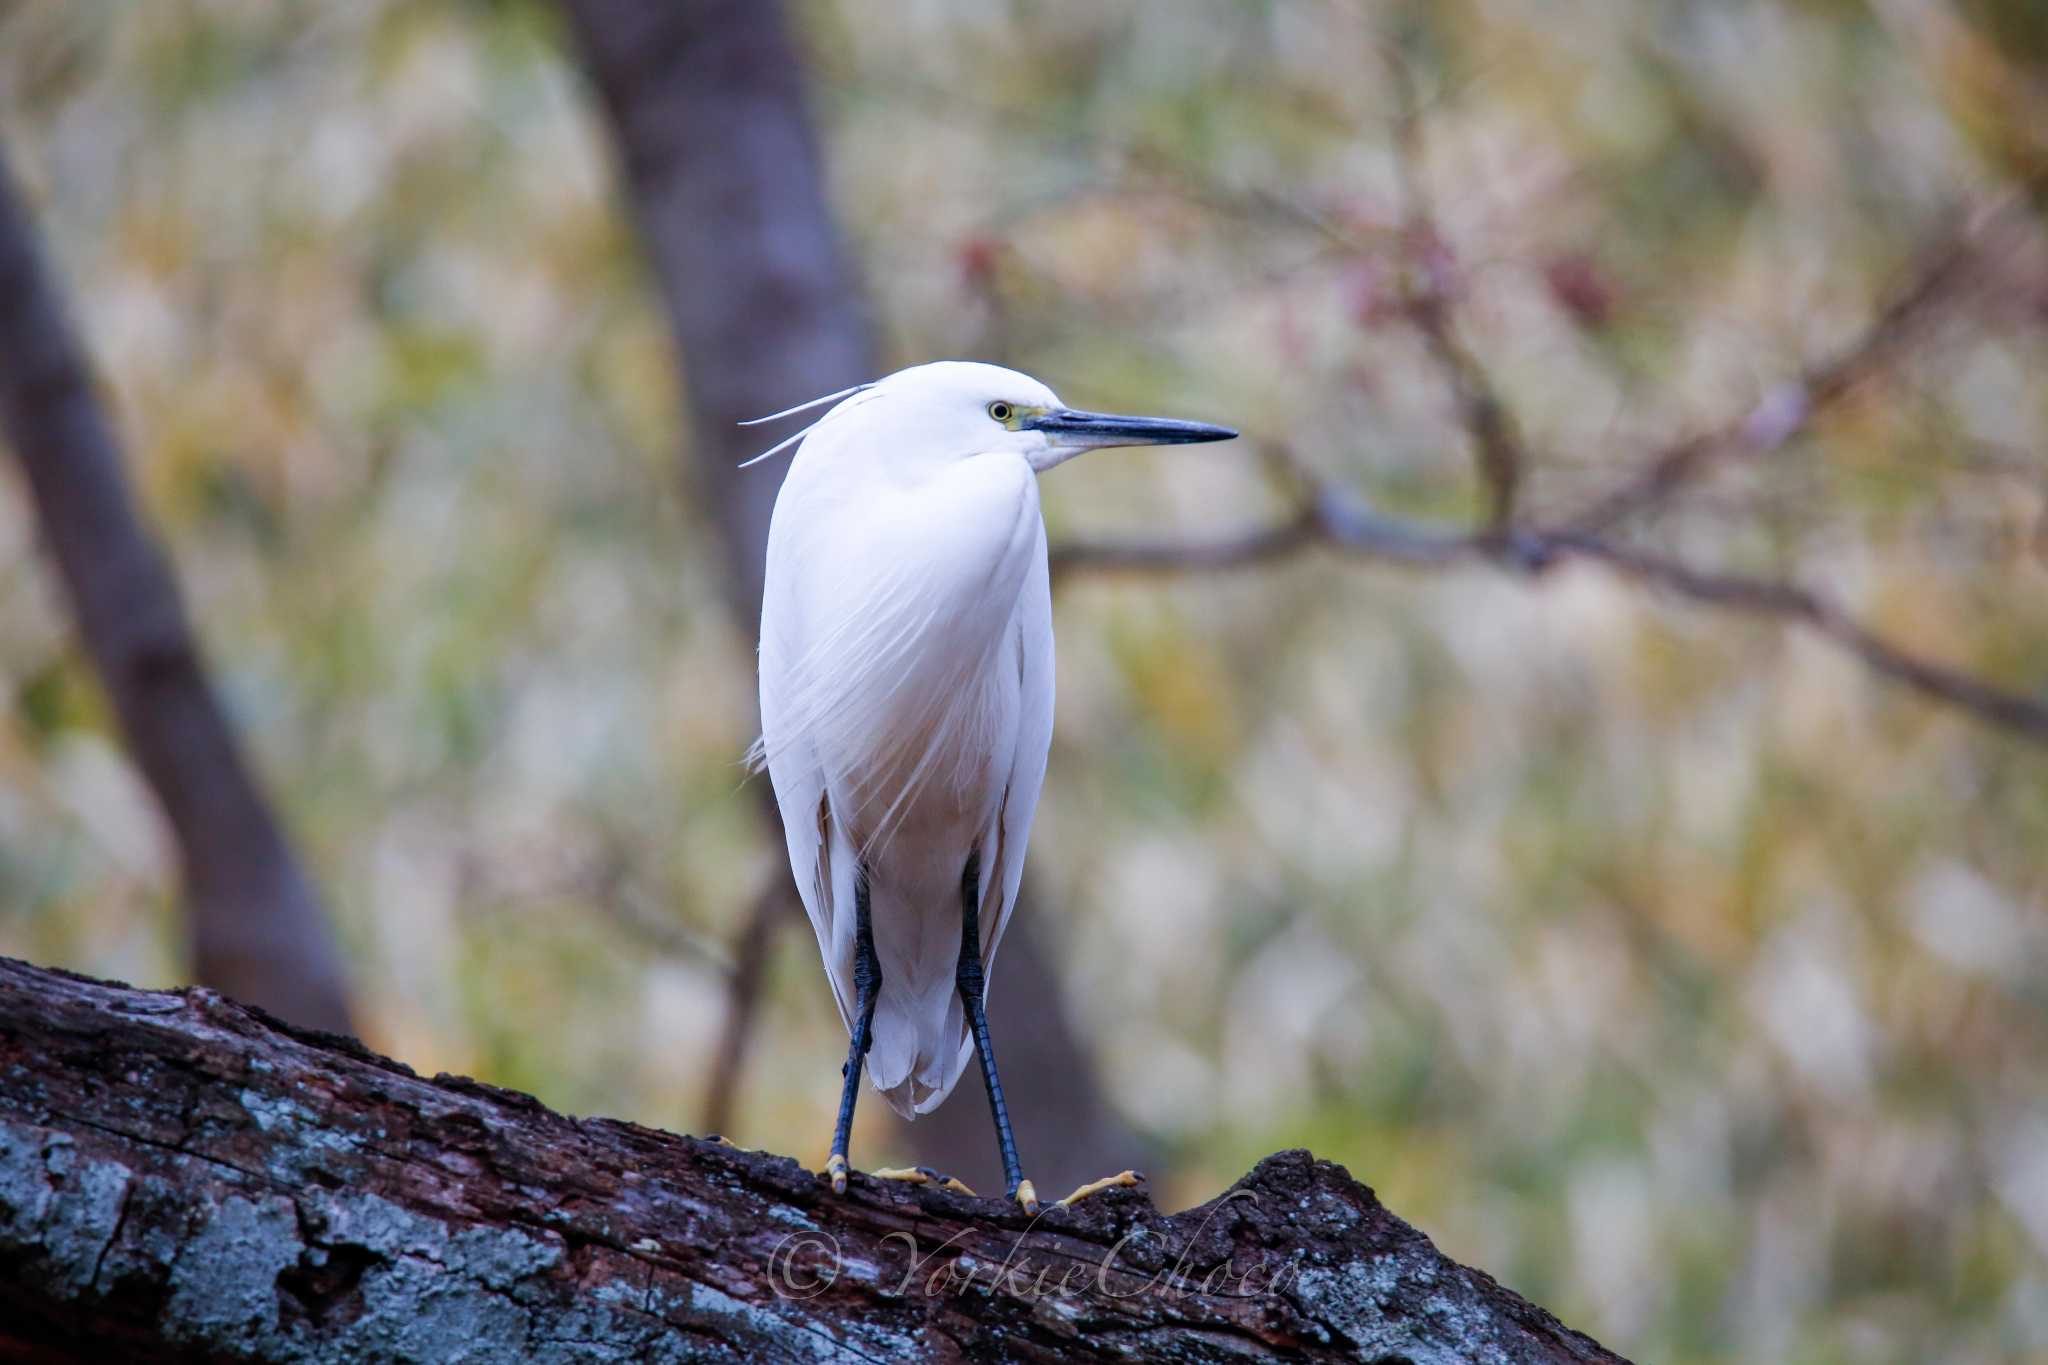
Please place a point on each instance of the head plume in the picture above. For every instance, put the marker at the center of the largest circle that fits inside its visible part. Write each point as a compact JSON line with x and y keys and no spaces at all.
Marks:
{"x":789,"y":441}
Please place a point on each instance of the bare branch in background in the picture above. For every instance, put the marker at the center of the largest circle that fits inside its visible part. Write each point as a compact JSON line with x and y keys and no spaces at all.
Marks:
{"x":772,"y":908}
{"x":1496,"y":447}
{"x":1329,"y":518}
{"x":602,"y":880}
{"x":1324,"y":515}
{"x":1789,"y":409}
{"x":256,"y":927}
{"x":2023,"y":715}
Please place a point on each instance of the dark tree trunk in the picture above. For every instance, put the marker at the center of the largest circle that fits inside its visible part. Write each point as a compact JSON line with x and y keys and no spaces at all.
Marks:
{"x":256,"y":927}
{"x":705,"y":100}
{"x":183,"y":1178}
{"x":721,"y":166}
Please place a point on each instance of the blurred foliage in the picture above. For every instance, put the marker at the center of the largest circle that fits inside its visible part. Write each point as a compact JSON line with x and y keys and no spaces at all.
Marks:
{"x":1663,"y":962}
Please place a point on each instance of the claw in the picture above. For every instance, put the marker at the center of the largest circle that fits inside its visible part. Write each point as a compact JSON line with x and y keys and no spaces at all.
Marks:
{"x":909,"y":1175}
{"x":1121,"y":1180}
{"x":921,"y":1175}
{"x":835,"y":1170}
{"x":1026,"y":1196}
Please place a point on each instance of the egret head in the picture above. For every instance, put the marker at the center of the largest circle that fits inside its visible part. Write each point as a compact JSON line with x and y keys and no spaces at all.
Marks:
{"x":957,"y":409}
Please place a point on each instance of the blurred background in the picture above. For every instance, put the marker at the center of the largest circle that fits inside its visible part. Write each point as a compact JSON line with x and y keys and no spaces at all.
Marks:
{"x":1663,"y":958}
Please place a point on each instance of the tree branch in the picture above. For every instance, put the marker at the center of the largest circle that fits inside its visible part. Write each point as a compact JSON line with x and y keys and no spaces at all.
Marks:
{"x":1327,"y":518}
{"x":744,"y":988}
{"x":182,"y":1177}
{"x":1788,"y":410}
{"x":1431,"y":283}
{"x":2023,"y":715}
{"x":256,"y":927}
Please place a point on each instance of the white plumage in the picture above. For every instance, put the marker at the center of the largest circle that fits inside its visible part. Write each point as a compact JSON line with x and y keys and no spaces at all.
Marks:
{"x":907,"y":698}
{"x":907,"y":683}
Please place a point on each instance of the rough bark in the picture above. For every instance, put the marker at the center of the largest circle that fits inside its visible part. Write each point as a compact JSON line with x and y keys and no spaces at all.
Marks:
{"x":720,"y":164}
{"x":256,"y":927}
{"x":182,"y":1177}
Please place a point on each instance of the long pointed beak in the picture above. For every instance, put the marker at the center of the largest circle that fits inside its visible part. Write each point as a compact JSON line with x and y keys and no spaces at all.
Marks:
{"x":1078,"y":431}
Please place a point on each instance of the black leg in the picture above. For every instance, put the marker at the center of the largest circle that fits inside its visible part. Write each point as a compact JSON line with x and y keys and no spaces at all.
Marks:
{"x":867,"y":984}
{"x":973,"y":986}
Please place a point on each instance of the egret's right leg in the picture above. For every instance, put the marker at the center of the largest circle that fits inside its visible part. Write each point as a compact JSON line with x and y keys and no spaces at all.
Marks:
{"x":867,"y":986}
{"x":973,"y":986}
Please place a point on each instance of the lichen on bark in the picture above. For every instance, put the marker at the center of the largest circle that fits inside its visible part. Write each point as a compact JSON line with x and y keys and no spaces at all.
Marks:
{"x":181,"y":1176}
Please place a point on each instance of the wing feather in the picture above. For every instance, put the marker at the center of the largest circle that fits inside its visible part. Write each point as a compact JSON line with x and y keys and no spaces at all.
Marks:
{"x":879,"y":630}
{"x":1011,"y":833}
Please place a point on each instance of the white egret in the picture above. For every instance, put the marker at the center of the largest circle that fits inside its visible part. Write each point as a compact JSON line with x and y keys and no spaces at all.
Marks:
{"x":907,"y":700}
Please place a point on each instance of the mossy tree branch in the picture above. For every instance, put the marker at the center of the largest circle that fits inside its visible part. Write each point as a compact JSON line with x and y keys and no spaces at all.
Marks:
{"x":185,"y":1177}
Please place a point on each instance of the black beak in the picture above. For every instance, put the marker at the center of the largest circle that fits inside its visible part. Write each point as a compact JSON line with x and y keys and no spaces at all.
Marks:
{"x":1087,"y":430}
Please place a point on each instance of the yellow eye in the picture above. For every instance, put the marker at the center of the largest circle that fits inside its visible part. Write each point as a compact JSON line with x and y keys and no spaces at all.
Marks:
{"x":1001,"y":411}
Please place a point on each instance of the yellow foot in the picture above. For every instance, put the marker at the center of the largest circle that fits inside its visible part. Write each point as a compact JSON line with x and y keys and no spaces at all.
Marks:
{"x":1121,"y":1180}
{"x":835,"y":1171}
{"x":921,"y":1175}
{"x":1026,"y":1196}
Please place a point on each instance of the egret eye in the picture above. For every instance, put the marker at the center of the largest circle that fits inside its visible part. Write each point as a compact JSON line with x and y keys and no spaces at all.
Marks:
{"x":1001,"y":411}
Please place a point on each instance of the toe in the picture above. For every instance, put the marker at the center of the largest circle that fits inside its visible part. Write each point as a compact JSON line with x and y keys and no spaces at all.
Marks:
{"x":909,"y":1175}
{"x":944,"y":1181}
{"x":921,"y":1175}
{"x":1121,"y":1180}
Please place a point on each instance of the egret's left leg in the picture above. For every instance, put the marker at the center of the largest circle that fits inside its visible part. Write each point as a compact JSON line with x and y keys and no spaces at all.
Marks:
{"x":973,"y":986}
{"x":867,"y":986}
